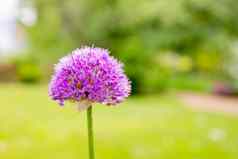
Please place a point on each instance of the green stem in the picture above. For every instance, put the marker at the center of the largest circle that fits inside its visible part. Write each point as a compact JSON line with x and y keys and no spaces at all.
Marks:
{"x":90,"y":133}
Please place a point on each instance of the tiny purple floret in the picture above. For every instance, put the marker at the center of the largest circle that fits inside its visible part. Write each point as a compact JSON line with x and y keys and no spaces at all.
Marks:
{"x":89,"y":74}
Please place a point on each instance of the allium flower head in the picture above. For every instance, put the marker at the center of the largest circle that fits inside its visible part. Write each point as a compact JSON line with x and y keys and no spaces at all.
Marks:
{"x":89,"y":75}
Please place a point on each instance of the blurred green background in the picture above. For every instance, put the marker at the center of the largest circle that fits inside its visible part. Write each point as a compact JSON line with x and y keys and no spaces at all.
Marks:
{"x":167,"y":46}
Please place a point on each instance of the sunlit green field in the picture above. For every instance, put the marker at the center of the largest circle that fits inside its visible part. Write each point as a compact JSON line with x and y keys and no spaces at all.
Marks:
{"x":154,"y":127}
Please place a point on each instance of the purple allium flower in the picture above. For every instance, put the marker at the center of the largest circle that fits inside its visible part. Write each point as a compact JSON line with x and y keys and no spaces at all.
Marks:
{"x":89,"y":75}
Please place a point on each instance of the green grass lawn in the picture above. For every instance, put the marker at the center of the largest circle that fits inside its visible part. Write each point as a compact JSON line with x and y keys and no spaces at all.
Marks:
{"x":154,"y":127}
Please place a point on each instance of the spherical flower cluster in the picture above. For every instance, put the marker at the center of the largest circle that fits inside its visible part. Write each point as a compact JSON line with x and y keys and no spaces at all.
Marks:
{"x":89,"y":75}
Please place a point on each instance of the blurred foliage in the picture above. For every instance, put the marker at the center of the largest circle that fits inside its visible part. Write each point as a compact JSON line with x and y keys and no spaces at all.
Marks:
{"x":184,"y":36}
{"x":190,"y":82}
{"x":208,"y":61}
{"x":29,"y":73}
{"x":27,"y":69}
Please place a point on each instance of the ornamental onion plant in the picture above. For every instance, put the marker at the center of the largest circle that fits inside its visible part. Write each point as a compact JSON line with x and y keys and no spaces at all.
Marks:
{"x":89,"y":75}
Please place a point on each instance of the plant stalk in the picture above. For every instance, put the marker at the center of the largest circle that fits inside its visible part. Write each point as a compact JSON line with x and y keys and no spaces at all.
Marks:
{"x":90,"y":133}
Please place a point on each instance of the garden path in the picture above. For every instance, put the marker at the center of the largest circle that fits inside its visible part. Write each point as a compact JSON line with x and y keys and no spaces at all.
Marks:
{"x":210,"y":103}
